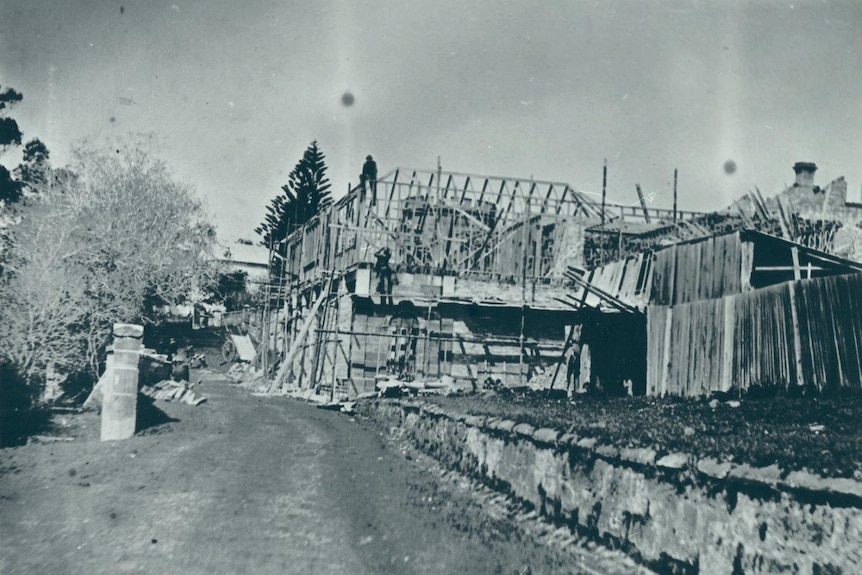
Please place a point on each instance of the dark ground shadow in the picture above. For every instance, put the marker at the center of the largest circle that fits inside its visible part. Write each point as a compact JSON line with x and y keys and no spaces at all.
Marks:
{"x":17,"y":424}
{"x":151,"y":419}
{"x":20,"y":416}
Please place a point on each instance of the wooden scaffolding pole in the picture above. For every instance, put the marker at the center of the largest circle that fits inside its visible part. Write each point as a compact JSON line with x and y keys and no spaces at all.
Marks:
{"x":643,"y":203}
{"x":523,"y":296}
{"x":298,"y":342}
{"x":674,"y":195}
{"x":604,"y":198}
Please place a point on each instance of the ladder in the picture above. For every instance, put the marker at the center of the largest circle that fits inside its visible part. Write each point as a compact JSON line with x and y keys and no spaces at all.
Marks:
{"x":324,"y":370}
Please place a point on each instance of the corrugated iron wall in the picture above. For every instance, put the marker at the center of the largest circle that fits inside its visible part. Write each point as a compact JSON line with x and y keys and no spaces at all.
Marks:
{"x":805,"y":332}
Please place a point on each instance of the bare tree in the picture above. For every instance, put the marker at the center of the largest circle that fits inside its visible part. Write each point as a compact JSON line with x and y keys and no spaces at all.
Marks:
{"x":42,"y":301}
{"x":101,"y":248}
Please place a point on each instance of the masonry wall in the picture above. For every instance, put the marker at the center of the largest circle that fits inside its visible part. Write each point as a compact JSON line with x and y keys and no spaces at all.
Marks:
{"x":833,"y":219}
{"x":829,"y":203}
{"x":674,"y":513}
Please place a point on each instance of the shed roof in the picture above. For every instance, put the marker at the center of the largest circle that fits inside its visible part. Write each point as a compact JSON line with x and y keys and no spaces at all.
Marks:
{"x":253,"y":255}
{"x":707,"y":268}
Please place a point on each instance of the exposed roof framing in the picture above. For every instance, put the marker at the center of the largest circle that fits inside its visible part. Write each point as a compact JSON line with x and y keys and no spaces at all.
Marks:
{"x":505,"y":228}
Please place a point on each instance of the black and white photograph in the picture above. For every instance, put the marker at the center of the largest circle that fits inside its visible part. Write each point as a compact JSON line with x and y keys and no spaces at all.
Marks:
{"x":387,"y":287}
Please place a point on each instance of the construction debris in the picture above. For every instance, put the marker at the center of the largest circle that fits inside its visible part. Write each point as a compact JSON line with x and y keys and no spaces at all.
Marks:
{"x":152,"y":367}
{"x":342,"y":406}
{"x":389,"y":386}
{"x":249,"y":377}
{"x":49,"y":439}
{"x":168,"y":390}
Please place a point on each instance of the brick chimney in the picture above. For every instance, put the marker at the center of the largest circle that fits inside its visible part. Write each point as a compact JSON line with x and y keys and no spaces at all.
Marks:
{"x":804,"y":174}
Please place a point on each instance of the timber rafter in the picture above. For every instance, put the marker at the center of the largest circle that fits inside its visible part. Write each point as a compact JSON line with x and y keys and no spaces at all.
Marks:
{"x":443,"y":223}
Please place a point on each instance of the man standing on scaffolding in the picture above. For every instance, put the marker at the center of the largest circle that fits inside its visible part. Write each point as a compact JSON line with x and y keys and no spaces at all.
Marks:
{"x":369,"y":176}
{"x":384,"y":275}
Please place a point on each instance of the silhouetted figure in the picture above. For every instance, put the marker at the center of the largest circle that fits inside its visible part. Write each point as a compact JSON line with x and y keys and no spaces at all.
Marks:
{"x":369,"y":176}
{"x":573,"y":367}
{"x":171,"y":348}
{"x":384,"y":275}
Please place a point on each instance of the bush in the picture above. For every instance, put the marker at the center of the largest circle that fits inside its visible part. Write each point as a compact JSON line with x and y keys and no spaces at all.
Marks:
{"x":21,"y":414}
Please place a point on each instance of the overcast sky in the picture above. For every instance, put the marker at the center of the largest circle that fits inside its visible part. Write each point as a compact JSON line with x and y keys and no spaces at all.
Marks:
{"x":235,"y":91}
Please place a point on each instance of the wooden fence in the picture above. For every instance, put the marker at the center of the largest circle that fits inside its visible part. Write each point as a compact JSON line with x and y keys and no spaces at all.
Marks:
{"x":704,"y":269}
{"x":804,"y":332}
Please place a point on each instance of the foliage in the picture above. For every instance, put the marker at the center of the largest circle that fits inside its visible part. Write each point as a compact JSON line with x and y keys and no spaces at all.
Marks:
{"x":19,"y":413}
{"x":34,"y":172}
{"x":9,"y":132}
{"x":10,"y":135}
{"x":8,"y":97}
{"x":231,"y":289}
{"x":305,"y":194}
{"x":10,"y":189}
{"x":100,"y":248}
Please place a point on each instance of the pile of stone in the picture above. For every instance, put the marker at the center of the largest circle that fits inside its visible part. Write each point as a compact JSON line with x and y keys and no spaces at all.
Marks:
{"x":152,"y":367}
{"x":169,"y":390}
{"x":347,"y":407}
{"x":249,"y":377}
{"x":390,"y":386}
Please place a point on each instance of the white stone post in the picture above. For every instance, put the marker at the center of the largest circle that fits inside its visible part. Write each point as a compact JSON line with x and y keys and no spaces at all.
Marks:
{"x":119,"y":407}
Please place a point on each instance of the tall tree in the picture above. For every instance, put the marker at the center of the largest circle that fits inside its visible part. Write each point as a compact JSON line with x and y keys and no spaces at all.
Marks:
{"x":10,"y":188}
{"x":307,"y":192}
{"x":10,"y":135}
{"x":34,"y":169}
{"x":120,"y":235}
{"x":34,"y":172}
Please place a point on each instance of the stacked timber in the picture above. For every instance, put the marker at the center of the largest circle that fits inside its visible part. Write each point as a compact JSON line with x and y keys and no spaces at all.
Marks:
{"x":177,"y":391}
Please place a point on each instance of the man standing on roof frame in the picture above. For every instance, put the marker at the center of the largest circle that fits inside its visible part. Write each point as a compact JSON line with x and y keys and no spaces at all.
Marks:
{"x":369,"y":175}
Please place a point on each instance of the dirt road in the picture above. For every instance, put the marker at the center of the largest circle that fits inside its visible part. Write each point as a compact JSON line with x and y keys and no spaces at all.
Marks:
{"x":243,"y":484}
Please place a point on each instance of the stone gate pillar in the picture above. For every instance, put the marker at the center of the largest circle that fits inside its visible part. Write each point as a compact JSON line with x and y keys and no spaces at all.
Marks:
{"x":119,"y":408}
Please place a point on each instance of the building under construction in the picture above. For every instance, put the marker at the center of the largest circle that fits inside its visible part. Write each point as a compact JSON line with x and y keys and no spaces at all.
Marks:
{"x":512,"y":280}
{"x":479,"y":278}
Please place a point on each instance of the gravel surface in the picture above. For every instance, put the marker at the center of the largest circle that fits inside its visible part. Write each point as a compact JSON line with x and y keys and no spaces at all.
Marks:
{"x":245,"y":484}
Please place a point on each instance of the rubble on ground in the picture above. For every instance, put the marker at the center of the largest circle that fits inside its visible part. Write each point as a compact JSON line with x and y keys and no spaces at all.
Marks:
{"x":169,"y":390}
{"x":248,"y":377}
{"x":341,"y":406}
{"x":391,"y":386}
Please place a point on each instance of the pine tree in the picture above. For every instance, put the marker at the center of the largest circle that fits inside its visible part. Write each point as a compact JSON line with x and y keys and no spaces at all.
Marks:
{"x":10,"y":135}
{"x":34,"y":170}
{"x":306,"y":193}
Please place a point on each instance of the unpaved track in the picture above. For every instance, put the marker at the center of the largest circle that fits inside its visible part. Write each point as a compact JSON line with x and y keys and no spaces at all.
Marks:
{"x":243,"y":484}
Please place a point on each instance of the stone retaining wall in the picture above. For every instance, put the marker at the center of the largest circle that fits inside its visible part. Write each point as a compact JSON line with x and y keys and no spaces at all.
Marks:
{"x":673,"y":513}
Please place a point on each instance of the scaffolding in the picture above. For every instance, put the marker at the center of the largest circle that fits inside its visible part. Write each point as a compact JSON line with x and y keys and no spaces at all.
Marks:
{"x":478,"y":262}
